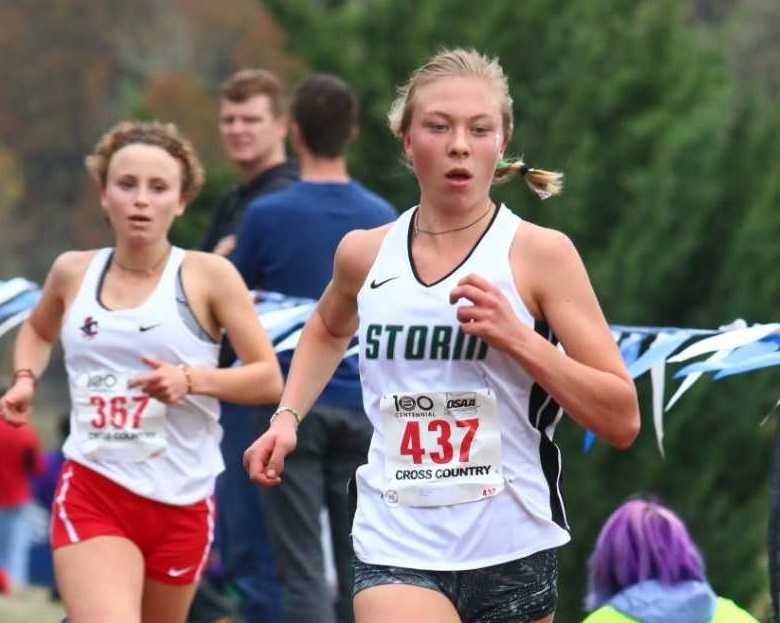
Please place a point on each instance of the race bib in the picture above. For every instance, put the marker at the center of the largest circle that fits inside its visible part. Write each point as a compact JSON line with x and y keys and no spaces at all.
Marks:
{"x":115,"y":423}
{"x":441,"y":448}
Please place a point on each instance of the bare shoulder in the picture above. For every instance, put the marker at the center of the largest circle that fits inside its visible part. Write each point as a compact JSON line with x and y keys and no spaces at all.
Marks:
{"x":537,"y":244}
{"x":210,"y":278}
{"x":355,"y":255}
{"x":545,"y":265}
{"x":72,"y":261}
{"x":68,"y":269}
{"x":61,"y":287}
{"x":203,"y":260}
{"x":207,"y":268}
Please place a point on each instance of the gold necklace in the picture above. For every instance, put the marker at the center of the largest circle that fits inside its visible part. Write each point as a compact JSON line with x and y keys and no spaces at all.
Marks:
{"x":419,"y":230}
{"x":147,"y":272}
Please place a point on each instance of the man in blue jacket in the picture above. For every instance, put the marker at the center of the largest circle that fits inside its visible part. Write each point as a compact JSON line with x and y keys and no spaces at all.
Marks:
{"x":286,"y":244}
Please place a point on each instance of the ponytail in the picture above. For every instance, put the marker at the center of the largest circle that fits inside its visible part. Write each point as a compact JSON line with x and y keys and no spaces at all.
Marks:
{"x":543,"y":183}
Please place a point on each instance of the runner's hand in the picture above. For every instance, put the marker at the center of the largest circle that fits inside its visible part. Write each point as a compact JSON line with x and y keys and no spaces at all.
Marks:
{"x":490,"y":316}
{"x":264,"y":459}
{"x":16,"y":403}
{"x":166,"y":382}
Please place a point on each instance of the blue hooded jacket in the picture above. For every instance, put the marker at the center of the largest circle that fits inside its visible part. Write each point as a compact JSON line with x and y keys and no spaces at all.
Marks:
{"x":685,"y":602}
{"x":652,"y":602}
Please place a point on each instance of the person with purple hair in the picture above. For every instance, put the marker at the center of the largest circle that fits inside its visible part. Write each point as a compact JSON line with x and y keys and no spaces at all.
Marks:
{"x":646,"y":567}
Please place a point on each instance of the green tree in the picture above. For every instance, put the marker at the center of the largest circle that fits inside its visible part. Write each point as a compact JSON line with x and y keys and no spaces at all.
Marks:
{"x":11,"y":191}
{"x":69,"y":73}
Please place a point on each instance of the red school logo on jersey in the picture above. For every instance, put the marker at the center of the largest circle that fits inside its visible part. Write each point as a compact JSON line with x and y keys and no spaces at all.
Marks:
{"x":90,"y":327}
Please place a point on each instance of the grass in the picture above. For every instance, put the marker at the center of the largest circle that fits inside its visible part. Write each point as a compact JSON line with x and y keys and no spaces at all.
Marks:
{"x":30,"y":605}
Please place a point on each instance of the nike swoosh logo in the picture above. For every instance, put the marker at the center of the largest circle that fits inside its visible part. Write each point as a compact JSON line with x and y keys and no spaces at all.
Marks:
{"x":175,"y":573}
{"x":143,"y":328}
{"x":374,"y":284}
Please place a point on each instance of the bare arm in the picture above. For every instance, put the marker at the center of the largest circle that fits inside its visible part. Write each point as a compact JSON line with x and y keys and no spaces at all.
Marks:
{"x":589,"y":379}
{"x":229,"y":304}
{"x":259,"y":379}
{"x":38,"y":333}
{"x":324,"y":339}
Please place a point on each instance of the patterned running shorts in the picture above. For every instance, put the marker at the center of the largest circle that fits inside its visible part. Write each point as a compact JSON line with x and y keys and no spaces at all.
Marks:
{"x":517,"y":591}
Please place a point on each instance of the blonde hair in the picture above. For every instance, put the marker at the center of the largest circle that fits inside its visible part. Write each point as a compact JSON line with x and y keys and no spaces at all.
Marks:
{"x":163,"y":135}
{"x":470,"y":63}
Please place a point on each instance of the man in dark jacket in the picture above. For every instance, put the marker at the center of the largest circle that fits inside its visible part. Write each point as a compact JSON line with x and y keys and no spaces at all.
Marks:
{"x":286,"y":244}
{"x":253,"y":124}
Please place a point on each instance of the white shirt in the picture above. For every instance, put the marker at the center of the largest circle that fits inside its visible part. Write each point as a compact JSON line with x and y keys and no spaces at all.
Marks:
{"x":101,"y":343}
{"x":410,"y":346}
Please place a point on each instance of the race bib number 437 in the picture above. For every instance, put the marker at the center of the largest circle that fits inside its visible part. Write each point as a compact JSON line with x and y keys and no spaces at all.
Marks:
{"x":441,"y":448}
{"x":114,"y":422}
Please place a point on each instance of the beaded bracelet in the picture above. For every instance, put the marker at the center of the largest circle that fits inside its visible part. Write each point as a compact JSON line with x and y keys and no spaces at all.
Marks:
{"x":282,"y":409}
{"x":24,"y":372}
{"x":187,"y":376}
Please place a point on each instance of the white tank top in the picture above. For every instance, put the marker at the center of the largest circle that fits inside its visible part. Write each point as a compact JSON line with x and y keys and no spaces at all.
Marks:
{"x":168,"y":453}
{"x":462,"y":471}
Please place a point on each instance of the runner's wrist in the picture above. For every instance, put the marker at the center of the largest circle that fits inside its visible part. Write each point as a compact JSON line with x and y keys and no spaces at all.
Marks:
{"x":187,"y":373}
{"x":522,"y":344}
{"x":24,"y":375}
{"x":292,"y":415}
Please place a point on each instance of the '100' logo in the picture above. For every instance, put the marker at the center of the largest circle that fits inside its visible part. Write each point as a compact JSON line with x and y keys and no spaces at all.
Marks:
{"x":101,"y":381}
{"x":408,"y":403}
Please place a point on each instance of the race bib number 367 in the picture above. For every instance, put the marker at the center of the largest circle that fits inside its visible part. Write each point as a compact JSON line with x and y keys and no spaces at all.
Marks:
{"x":114,"y":422}
{"x":441,"y":448}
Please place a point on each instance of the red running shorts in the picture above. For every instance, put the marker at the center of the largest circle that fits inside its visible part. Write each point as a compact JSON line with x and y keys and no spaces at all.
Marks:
{"x":174,"y":540}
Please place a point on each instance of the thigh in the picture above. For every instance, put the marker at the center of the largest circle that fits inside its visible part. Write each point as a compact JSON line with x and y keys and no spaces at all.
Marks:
{"x":390,"y":603}
{"x":178,"y":552}
{"x":385,"y":594}
{"x":519,"y":591}
{"x":100,"y":580}
{"x":166,"y":603}
{"x":88,"y":505}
